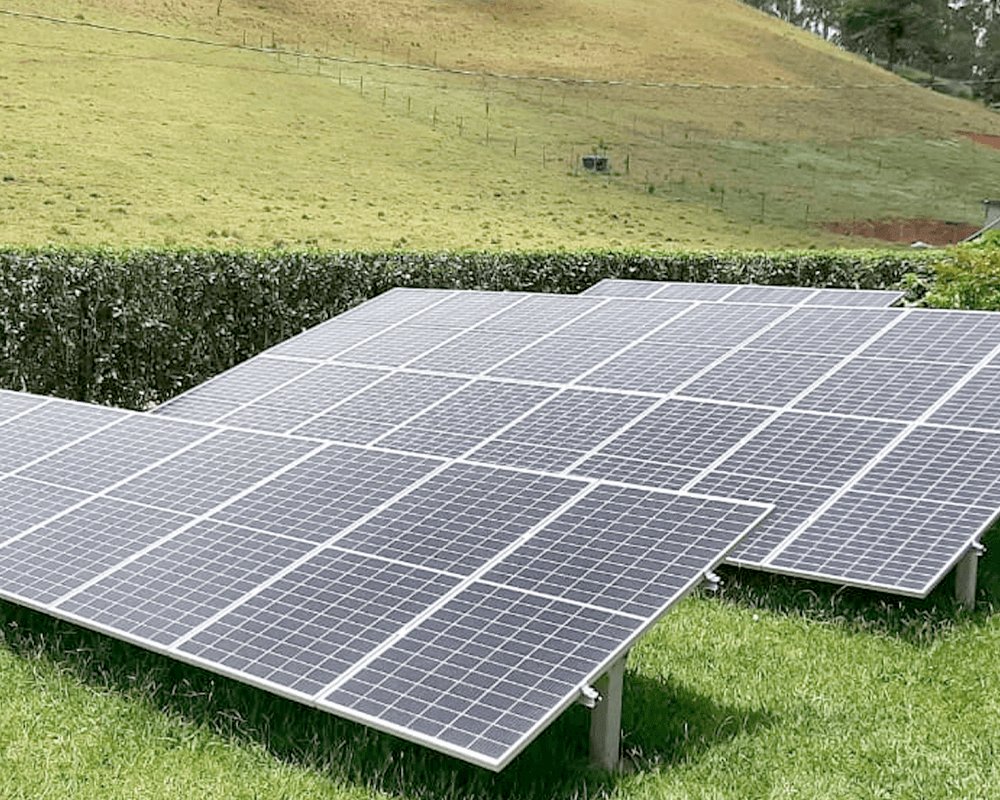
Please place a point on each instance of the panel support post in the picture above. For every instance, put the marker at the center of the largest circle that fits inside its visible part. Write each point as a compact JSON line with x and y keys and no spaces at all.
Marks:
{"x":965,"y":576}
{"x":606,"y":718}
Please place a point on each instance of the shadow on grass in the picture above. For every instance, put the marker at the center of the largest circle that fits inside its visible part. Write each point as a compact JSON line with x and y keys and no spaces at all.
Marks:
{"x":664,"y":723}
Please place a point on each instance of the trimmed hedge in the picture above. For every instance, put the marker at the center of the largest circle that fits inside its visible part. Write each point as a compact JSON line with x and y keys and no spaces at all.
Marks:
{"x":132,"y":328}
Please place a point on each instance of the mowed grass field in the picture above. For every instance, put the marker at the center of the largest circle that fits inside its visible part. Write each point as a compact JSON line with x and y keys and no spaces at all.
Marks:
{"x":724,"y":127}
{"x":777,"y":689}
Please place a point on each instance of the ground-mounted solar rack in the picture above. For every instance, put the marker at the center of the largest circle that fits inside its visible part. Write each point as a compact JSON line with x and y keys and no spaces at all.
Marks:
{"x":535,"y":477}
{"x":398,"y":590}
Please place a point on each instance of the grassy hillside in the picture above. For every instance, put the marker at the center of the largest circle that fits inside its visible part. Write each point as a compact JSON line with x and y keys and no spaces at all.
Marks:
{"x":753,"y":133}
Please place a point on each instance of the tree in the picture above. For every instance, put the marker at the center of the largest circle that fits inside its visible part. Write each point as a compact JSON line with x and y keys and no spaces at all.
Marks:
{"x":893,"y":29}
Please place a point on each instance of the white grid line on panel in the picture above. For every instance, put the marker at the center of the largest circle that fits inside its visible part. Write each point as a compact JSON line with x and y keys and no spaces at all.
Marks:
{"x":896,"y":586}
{"x":502,"y":726}
{"x":676,"y":392}
{"x":313,"y":551}
{"x":533,"y":340}
{"x":802,"y":292}
{"x":880,"y":456}
{"x":465,"y":583}
{"x":56,"y":404}
{"x":519,"y":736}
{"x":195,"y":520}
{"x":844,"y":360}
{"x":721,"y":298}
{"x":403,"y":367}
{"x":888,"y":297}
{"x":20,"y":397}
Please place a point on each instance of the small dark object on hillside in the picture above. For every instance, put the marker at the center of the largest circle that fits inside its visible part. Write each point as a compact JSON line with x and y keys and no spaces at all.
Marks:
{"x":596,"y":163}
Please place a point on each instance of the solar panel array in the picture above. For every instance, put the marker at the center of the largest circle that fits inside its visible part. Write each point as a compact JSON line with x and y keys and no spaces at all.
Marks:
{"x":792,"y":396}
{"x":459,"y":604}
{"x":443,"y":513}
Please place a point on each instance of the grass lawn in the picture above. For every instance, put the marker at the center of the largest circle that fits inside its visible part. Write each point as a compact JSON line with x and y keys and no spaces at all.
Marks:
{"x":778,"y":688}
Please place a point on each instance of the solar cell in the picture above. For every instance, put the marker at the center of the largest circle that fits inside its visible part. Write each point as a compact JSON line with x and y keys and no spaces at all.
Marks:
{"x":558,"y":359}
{"x":461,"y":518}
{"x":540,"y":314}
{"x":397,"y":345}
{"x":637,"y":470}
{"x":686,"y":433}
{"x":856,"y":298}
{"x":812,"y":448}
{"x":615,"y":287}
{"x":206,"y":475}
{"x":49,"y":561}
{"x":268,"y":418}
{"x":624,"y":320}
{"x":953,"y":337}
{"x":941,"y":464}
{"x":975,"y":404}
{"x":24,"y":504}
{"x":787,"y":295}
{"x":653,"y":367}
{"x":46,"y":428}
{"x":875,"y":387}
{"x":14,"y":403}
{"x":894,"y":543}
{"x":250,"y":380}
{"x":173,"y":588}
{"x":484,"y":672}
{"x":572,"y":423}
{"x":794,"y":504}
{"x":394,"y":306}
{"x":629,"y":550}
{"x":296,"y":402}
{"x":326,"y":340}
{"x":304,"y":629}
{"x":694,"y":291}
{"x":115,"y":453}
{"x":317,"y":499}
{"x":379,"y":408}
{"x":461,"y":311}
{"x":195,"y":409}
{"x":473,"y":352}
{"x":478,"y":410}
{"x":826,"y":330}
{"x":718,"y":325}
{"x":769,"y":378}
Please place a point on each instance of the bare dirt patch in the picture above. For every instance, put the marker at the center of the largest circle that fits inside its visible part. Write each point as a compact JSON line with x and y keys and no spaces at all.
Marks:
{"x":930,"y":231}
{"x":989,"y":139}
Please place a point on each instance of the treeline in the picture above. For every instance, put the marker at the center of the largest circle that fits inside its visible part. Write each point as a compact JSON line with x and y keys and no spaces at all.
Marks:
{"x":954,"y":39}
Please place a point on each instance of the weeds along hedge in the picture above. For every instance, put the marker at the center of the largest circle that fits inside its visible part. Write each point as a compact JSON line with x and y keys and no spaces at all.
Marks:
{"x":133,"y":328}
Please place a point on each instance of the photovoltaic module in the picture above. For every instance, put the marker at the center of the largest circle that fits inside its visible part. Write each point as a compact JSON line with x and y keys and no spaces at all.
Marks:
{"x":444,"y":514}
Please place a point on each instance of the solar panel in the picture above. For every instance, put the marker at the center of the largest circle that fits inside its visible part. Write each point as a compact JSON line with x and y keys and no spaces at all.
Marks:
{"x":974,"y":404}
{"x":172,"y":588}
{"x":444,"y":513}
{"x":760,"y":377}
{"x":744,"y":293}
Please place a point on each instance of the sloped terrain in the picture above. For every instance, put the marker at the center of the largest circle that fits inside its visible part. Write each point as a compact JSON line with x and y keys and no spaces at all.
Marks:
{"x":341,"y":124}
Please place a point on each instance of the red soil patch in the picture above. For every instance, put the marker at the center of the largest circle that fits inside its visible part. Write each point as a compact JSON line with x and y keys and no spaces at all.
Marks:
{"x":989,"y":139}
{"x":931,"y":231}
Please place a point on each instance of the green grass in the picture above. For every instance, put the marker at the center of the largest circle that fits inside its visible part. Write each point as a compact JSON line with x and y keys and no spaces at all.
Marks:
{"x":114,"y":138}
{"x":776,"y":688}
